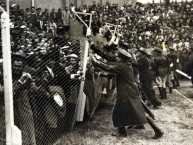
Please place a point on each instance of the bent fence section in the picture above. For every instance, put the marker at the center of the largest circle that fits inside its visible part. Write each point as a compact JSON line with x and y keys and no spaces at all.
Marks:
{"x":46,"y":104}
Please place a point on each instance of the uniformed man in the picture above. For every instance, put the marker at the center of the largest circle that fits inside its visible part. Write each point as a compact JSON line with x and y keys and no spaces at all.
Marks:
{"x":128,"y":109}
{"x":161,"y":69}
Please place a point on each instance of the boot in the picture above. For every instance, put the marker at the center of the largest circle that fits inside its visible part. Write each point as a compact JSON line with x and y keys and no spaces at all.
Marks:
{"x":170,"y":90}
{"x":177,"y":83}
{"x":176,"y":80}
{"x":123,"y":131}
{"x":174,"y":84}
{"x":161,"y":92}
{"x":157,"y":130}
{"x":157,"y":104}
{"x":164,"y":93}
{"x":170,"y":87}
{"x":149,"y":103}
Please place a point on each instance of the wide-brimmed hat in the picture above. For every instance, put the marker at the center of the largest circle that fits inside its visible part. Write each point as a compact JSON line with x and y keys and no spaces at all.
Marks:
{"x":157,"y":49}
{"x":23,"y":27}
{"x":124,"y":52}
{"x":13,"y":5}
{"x":142,"y":50}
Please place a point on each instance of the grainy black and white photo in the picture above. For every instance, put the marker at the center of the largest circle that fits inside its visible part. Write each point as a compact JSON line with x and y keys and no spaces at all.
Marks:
{"x":96,"y":72}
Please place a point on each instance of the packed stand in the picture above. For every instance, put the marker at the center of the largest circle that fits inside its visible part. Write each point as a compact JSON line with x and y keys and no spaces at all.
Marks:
{"x":42,"y":48}
{"x":155,"y":39}
{"x":46,"y":70}
{"x":150,"y":26}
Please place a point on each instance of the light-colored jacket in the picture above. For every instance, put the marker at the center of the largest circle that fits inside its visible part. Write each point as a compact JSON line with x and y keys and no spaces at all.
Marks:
{"x":66,"y":18}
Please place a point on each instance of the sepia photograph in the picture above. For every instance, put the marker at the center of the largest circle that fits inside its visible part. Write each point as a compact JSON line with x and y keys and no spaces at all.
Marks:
{"x":96,"y":72}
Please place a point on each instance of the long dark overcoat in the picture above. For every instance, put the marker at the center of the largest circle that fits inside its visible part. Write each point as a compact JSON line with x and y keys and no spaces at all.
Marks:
{"x":145,"y":74}
{"x":128,"y":109}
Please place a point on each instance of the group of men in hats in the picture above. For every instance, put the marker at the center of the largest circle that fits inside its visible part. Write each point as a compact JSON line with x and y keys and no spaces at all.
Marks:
{"x":128,"y":109}
{"x":39,"y":59}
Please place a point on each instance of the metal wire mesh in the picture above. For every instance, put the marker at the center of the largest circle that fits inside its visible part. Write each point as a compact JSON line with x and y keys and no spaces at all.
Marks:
{"x":53,"y":98}
{"x":47,"y":70}
{"x":2,"y":122}
{"x":2,"y":106}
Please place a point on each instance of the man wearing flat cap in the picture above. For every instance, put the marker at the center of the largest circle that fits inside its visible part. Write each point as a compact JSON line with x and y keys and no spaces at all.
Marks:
{"x":128,"y":109}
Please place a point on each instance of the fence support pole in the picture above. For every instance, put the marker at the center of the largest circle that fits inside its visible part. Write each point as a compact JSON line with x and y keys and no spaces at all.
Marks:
{"x":7,"y":6}
{"x":32,"y":3}
{"x":13,"y":134}
{"x":82,"y":96}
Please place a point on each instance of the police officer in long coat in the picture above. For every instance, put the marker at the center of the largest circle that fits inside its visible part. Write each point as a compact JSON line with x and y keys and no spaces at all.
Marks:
{"x":128,"y":109}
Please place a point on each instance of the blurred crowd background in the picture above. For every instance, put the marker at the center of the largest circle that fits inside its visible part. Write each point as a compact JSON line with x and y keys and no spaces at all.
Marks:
{"x":45,"y":43}
{"x":140,"y":25}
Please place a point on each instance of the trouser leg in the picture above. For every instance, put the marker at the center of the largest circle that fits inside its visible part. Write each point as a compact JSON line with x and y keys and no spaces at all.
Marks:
{"x":170,"y":86}
{"x":161,"y":91}
{"x":164,"y":79}
{"x":173,"y":83}
{"x":157,"y":130}
{"x":150,"y":94}
{"x":159,"y":84}
{"x":176,"y":79}
{"x":164,"y":93}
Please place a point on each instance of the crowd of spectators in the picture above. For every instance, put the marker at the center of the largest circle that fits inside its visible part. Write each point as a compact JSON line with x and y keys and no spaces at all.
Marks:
{"x":147,"y":25}
{"x":142,"y":25}
{"x":40,"y":38}
{"x":40,"y":47}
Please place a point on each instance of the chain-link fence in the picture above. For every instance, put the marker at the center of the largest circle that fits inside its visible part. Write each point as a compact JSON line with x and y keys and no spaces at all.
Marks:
{"x":47,"y":71}
{"x":2,"y":105}
{"x":2,"y":123}
{"x":52,"y":93}
{"x":46,"y":106}
{"x":2,"y":120}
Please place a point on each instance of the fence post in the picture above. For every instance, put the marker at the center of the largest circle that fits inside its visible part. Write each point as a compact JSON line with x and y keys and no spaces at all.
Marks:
{"x":13,"y":134}
{"x":32,"y":3}
{"x":82,"y":96}
{"x":7,"y":4}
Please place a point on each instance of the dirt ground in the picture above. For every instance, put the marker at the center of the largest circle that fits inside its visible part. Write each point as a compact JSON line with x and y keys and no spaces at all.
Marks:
{"x":175,"y":118}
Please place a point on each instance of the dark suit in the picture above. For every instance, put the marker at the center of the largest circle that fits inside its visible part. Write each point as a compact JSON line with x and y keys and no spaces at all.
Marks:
{"x":146,"y":80}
